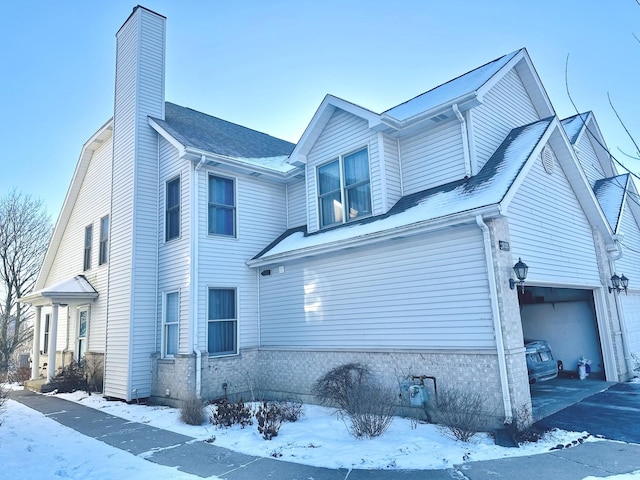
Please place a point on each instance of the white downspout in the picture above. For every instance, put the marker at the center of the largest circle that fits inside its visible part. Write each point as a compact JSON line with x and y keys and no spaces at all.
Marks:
{"x":623,"y":324}
{"x":497,"y":321}
{"x":465,"y":141}
{"x":195,"y":243}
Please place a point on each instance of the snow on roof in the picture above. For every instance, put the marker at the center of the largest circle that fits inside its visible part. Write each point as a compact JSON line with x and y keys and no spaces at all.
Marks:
{"x":610,"y":194}
{"x":467,"y":83}
{"x":487,"y":188}
{"x":201,"y":131}
{"x":279,"y":163}
{"x":77,"y":284}
{"x":72,"y":289}
{"x":573,"y":125}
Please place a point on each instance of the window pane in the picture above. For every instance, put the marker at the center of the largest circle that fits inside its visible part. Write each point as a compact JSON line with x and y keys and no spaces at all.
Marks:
{"x":331,"y":209}
{"x":359,"y":201}
{"x":82,"y":328}
{"x":356,"y":167}
{"x":173,"y":224}
{"x":222,"y":304}
{"x":104,"y":240}
{"x":171,"y":333}
{"x":221,"y":191}
{"x":222,"y":337}
{"x":88,"y":239}
{"x":172,"y":308}
{"x":221,"y":220}
{"x":329,"y":178}
{"x":173,"y":193}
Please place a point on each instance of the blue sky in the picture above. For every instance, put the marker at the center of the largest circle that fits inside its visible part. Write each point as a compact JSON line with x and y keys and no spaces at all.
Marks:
{"x":268,"y":64}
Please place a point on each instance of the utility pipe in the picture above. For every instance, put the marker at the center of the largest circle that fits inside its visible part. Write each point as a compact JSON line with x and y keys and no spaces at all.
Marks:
{"x":465,"y":140}
{"x":193,"y":292}
{"x":626,"y":350}
{"x":497,"y":322}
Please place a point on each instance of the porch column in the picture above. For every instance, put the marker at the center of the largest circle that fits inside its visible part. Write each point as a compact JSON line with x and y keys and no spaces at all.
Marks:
{"x":35,"y":356}
{"x":53,"y":333}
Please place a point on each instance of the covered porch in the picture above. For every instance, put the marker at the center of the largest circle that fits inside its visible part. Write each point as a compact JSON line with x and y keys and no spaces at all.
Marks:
{"x":74,"y":291}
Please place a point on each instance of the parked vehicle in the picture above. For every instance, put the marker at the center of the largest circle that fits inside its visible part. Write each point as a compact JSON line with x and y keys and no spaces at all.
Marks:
{"x":540,"y":362}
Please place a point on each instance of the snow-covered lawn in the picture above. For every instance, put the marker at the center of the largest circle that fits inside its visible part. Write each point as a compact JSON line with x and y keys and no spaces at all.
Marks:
{"x":33,"y":443}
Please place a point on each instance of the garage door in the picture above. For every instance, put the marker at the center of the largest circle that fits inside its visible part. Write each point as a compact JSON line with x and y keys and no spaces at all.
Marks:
{"x":631,"y":311}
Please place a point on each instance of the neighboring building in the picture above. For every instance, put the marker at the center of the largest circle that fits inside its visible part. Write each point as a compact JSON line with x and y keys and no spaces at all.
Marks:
{"x":192,"y":253}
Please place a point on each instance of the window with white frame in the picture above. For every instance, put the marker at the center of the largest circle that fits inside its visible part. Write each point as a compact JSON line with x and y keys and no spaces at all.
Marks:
{"x":83,"y":324}
{"x":171,"y":321}
{"x":172,"y":210}
{"x":222,"y":327}
{"x":88,"y":239}
{"x":47,"y":322}
{"x":103,"y":256}
{"x":222,"y":206}
{"x":344,"y":189}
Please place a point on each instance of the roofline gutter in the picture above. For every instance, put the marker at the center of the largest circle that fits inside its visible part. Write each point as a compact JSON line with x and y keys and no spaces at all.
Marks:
{"x":424,"y":226}
{"x":428,"y":114}
{"x":198,"y":154}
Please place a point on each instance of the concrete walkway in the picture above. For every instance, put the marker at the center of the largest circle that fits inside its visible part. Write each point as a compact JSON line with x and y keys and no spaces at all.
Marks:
{"x":198,"y":458}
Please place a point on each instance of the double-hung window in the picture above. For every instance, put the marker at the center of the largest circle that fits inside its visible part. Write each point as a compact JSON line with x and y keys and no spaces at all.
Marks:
{"x":172,"y":210}
{"x":171,"y":321}
{"x":222,"y":328}
{"x":103,"y":256}
{"x":88,"y":239}
{"x":222,"y":206}
{"x":344,"y":189}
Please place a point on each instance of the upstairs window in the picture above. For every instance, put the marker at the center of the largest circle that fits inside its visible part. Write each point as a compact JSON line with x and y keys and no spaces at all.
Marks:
{"x":103,"y":256}
{"x":344,"y":189}
{"x":222,"y":206}
{"x":88,"y":239}
{"x":172,"y":210}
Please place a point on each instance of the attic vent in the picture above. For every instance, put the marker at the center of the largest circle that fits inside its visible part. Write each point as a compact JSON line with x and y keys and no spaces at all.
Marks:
{"x":439,"y":118}
{"x":254,"y":174}
{"x":548,"y":160}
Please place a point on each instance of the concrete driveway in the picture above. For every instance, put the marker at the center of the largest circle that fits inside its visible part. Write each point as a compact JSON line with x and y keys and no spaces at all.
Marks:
{"x":613,"y":414}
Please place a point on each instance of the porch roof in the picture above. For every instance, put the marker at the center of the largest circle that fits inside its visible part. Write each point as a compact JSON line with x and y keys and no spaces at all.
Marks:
{"x":75,"y":290}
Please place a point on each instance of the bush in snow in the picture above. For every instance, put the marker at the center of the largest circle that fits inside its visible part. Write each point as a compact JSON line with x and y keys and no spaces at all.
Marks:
{"x":461,"y":413}
{"x":270,"y":418}
{"x":228,"y":413}
{"x":370,"y":409}
{"x":70,"y":379}
{"x":337,"y":384}
{"x":192,"y":412}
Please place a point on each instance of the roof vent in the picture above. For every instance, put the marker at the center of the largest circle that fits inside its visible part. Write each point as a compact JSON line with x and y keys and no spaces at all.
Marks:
{"x":548,"y":159}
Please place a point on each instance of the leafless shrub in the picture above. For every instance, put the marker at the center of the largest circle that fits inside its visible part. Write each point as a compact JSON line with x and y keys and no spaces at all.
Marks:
{"x":336,"y":385}
{"x":522,"y":430}
{"x":290,"y":410}
{"x":229,"y":413}
{"x":370,"y":408}
{"x":192,"y":411}
{"x":461,"y":414}
{"x":270,"y":418}
{"x":93,"y":366}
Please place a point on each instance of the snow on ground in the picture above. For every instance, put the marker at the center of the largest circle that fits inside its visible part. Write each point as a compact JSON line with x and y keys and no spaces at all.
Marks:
{"x":34,"y":444}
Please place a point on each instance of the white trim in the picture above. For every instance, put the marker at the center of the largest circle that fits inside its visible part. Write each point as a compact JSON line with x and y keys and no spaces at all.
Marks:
{"x":79,"y":309}
{"x":382,"y":166}
{"x":163,"y":334}
{"x":236,"y":232}
{"x":236,"y":289}
{"x":606,"y":339}
{"x":165,"y":209}
{"x":167,"y":136}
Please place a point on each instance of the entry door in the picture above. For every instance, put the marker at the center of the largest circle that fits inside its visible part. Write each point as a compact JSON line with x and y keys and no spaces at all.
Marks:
{"x":83,"y":321}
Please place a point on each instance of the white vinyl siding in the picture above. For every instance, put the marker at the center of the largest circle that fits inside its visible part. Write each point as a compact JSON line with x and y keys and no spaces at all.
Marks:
{"x":432,"y":157}
{"x":92,"y":203}
{"x":343,"y":133}
{"x":397,"y":295}
{"x":629,"y":264}
{"x":588,"y":159}
{"x":134,"y":225}
{"x":392,"y":172}
{"x":550,"y":231}
{"x":631,"y":310}
{"x":173,"y":264}
{"x":261,"y":217}
{"x":505,"y":107}
{"x":296,"y":204}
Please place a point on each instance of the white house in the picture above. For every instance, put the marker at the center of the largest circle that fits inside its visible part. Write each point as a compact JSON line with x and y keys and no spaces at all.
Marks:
{"x":198,"y":257}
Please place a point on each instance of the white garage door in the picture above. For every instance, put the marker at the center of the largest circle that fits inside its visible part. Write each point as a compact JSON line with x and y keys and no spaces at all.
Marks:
{"x":631,"y":311}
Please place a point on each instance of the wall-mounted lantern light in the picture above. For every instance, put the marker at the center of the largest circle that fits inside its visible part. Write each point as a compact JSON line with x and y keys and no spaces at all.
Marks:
{"x":619,"y":283}
{"x":521,"y":269}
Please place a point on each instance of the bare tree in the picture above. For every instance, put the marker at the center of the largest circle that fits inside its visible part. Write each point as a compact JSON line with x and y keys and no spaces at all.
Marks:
{"x":25,"y":228}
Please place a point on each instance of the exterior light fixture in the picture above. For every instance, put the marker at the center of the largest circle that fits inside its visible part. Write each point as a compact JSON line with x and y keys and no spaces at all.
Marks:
{"x":619,"y":283}
{"x":521,"y":269}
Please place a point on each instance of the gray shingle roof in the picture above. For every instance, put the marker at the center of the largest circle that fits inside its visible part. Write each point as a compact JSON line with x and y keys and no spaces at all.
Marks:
{"x":201,"y":131}
{"x":610,"y":194}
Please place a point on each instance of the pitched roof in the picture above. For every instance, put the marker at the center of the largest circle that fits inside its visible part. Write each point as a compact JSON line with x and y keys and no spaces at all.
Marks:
{"x":72,"y":290}
{"x":610,"y":194}
{"x":467,"y":83}
{"x":201,"y":131}
{"x":573,"y":125}
{"x":488,"y":187}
